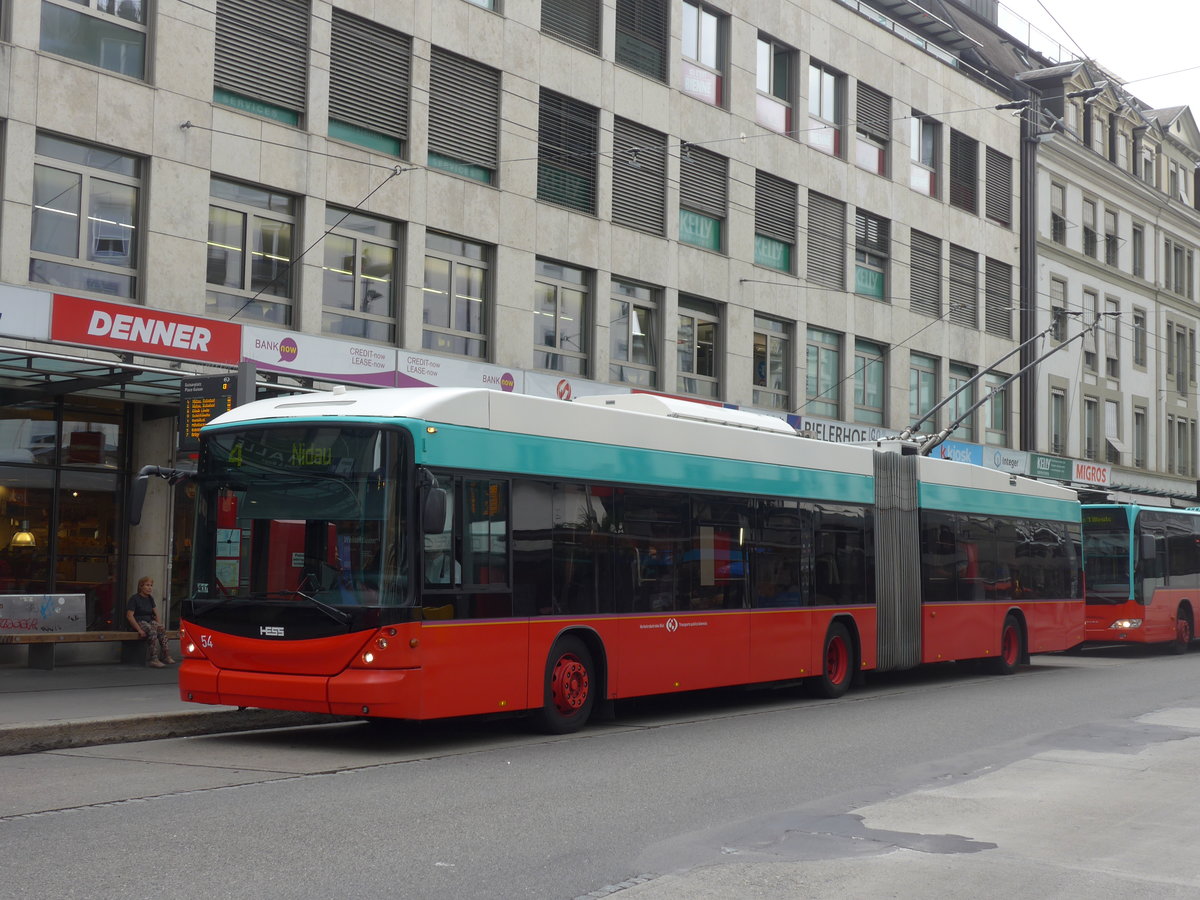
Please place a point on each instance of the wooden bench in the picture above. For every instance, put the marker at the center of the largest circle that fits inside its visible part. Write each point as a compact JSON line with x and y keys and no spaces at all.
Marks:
{"x":41,"y":644}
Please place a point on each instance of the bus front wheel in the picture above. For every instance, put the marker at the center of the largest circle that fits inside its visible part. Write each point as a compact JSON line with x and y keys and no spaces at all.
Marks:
{"x":1010,"y":648}
{"x":1183,"y":631}
{"x":569,"y":689}
{"x":837,"y":663}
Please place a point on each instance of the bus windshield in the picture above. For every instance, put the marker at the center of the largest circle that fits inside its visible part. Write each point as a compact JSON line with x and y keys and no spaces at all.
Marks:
{"x":305,"y":513}
{"x":1106,"y":554}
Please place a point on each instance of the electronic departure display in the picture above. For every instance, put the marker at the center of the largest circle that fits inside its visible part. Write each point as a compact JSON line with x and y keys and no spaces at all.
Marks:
{"x":200,"y":401}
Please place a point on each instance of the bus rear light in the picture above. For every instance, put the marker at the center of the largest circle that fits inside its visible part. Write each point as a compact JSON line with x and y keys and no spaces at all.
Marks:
{"x":1125,"y":624}
{"x":381,"y":643}
{"x":368,"y":657}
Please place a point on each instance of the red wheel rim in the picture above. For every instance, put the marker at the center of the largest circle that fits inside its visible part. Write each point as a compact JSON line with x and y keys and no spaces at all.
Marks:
{"x":569,"y":684}
{"x":1183,"y":631}
{"x":837,"y":660}
{"x":1010,"y":646}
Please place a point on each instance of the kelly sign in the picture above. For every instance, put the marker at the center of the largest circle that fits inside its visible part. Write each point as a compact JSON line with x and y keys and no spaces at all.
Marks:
{"x":145,"y":331}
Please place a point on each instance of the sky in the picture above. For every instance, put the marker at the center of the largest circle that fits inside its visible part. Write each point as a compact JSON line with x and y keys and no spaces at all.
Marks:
{"x":1159,"y":38}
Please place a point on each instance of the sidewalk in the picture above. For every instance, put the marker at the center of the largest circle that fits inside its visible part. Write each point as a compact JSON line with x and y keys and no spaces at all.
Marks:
{"x":106,"y":703}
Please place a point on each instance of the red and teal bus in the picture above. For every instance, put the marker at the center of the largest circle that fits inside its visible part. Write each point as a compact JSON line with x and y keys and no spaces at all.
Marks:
{"x":424,"y":553}
{"x":1143,"y":574}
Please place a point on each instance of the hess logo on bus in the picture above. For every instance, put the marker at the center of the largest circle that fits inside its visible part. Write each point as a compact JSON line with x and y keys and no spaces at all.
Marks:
{"x":271,"y":630}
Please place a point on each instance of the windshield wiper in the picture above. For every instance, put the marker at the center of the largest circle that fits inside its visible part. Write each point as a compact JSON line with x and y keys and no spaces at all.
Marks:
{"x":339,"y":616}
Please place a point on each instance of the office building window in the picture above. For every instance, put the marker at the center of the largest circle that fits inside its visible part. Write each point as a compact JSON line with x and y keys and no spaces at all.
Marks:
{"x":642,"y":36}
{"x":1091,"y":309}
{"x":964,"y":171}
{"x":1058,"y":213}
{"x":826,"y":241}
{"x":703,"y":197}
{"x":1089,"y":228}
{"x":873,"y":130}
{"x":568,"y":132}
{"x":823,"y":375}
{"x":697,"y":336}
{"x":251,"y":239}
{"x":1177,"y":267}
{"x":1058,"y":308}
{"x":574,"y":21}
{"x":359,"y":295}
{"x":639,"y":174}
{"x":1139,"y":437}
{"x":775,"y":81}
{"x":922,"y":391}
{"x":1058,"y":422}
{"x":560,"y":317}
{"x":1114,"y":447}
{"x":774,"y":221}
{"x":962,"y":399}
{"x":101,"y":33}
{"x":924,"y":141}
{"x":464,"y":116}
{"x":633,"y":334}
{"x":998,"y":182}
{"x":1139,"y":338}
{"x":457,"y":296}
{"x":86,"y":213}
{"x":964,"y":287}
{"x":997,"y":297}
{"x":1091,"y":428}
{"x":369,"y":74}
{"x":704,"y":39}
{"x":772,"y":364}
{"x":1111,"y":329}
{"x":995,"y":410}
{"x":925,"y":274}
{"x":870,"y":382}
{"x":826,"y":108}
{"x":871,"y":247}
{"x":262,"y":70}
{"x":1112,"y":243}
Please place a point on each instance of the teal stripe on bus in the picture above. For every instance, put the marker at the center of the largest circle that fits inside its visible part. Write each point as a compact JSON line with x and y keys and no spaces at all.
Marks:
{"x":953,"y":498}
{"x":524,"y":454}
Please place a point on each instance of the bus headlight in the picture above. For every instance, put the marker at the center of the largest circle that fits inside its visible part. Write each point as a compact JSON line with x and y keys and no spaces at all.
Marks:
{"x":1126,"y":624}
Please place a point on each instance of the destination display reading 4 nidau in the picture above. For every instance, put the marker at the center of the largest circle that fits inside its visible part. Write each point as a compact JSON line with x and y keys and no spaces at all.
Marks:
{"x":428,"y":552}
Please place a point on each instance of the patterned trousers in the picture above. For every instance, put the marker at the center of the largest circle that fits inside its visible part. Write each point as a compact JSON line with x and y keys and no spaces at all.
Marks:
{"x":156,"y":640}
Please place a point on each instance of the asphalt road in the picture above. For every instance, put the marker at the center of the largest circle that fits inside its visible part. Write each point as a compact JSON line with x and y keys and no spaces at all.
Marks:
{"x":918,"y":784}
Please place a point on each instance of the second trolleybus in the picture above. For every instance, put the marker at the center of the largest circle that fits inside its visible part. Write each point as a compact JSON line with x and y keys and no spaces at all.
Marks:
{"x":1143,"y":574}
{"x":424,"y":553}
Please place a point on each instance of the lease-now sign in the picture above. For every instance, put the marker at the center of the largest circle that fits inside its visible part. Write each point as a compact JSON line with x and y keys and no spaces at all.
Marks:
{"x":138,"y":329}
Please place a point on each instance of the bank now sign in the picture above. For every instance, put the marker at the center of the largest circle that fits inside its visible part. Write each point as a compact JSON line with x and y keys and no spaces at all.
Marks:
{"x":144,"y":331}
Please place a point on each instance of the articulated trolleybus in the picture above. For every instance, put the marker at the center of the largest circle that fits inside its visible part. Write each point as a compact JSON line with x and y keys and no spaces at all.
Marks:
{"x":424,"y":553}
{"x":1143,"y":574}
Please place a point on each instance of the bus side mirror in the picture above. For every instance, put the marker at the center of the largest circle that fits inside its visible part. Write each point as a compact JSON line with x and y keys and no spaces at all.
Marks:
{"x":137,"y":497}
{"x":433,"y":511}
{"x":137,"y":493}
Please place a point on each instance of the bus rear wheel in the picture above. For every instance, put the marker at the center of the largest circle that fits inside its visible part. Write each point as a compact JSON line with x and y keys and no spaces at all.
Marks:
{"x":1010,"y":648}
{"x":1183,"y":631}
{"x":569,"y":689}
{"x":837,"y":663}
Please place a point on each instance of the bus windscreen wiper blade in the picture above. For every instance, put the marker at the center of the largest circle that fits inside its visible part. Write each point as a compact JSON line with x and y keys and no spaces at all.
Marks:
{"x":333,"y":612}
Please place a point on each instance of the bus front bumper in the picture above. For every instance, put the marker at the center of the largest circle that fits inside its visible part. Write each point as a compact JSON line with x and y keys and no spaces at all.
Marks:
{"x":386,"y":693}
